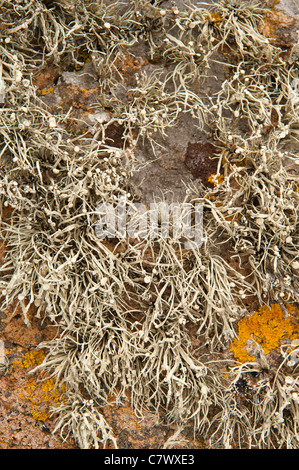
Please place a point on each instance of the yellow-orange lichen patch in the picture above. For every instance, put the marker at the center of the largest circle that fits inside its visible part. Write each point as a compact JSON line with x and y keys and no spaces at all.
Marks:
{"x":214,"y":18}
{"x":39,"y":393}
{"x":42,"y":396}
{"x":267,"y":328}
{"x":33,"y":358}
{"x":215,"y":179}
{"x":46,"y":91}
{"x":274,"y":20}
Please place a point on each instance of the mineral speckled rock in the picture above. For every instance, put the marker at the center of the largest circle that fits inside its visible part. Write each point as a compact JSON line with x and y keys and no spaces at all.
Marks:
{"x":281,"y":23}
{"x":24,"y":418}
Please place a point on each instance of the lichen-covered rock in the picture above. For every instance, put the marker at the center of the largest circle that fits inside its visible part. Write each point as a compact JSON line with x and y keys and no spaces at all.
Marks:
{"x":142,"y":355}
{"x":281,"y":23}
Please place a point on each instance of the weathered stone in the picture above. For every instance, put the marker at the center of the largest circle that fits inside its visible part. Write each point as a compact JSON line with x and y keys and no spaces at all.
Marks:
{"x":281,"y":23}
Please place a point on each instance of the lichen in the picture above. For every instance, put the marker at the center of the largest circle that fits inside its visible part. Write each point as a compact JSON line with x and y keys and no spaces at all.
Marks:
{"x":215,"y":179}
{"x":267,"y":327}
{"x":125,"y":307}
{"x":45,"y":91}
{"x":40,"y":394}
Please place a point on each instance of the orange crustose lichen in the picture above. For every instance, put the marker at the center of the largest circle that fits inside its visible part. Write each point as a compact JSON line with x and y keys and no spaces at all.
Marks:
{"x":41,"y":395}
{"x":266,"y":327}
{"x":46,"y":91}
{"x":215,"y":179}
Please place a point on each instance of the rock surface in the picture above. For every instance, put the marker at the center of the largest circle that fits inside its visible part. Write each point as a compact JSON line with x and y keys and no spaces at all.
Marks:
{"x":25,"y":420}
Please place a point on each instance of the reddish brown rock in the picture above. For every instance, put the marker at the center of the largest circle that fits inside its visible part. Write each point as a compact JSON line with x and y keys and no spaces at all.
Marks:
{"x":280,"y":24}
{"x":201,"y":159}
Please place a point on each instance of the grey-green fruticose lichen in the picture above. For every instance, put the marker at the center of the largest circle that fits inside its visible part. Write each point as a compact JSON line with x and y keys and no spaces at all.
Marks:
{"x":125,"y":307}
